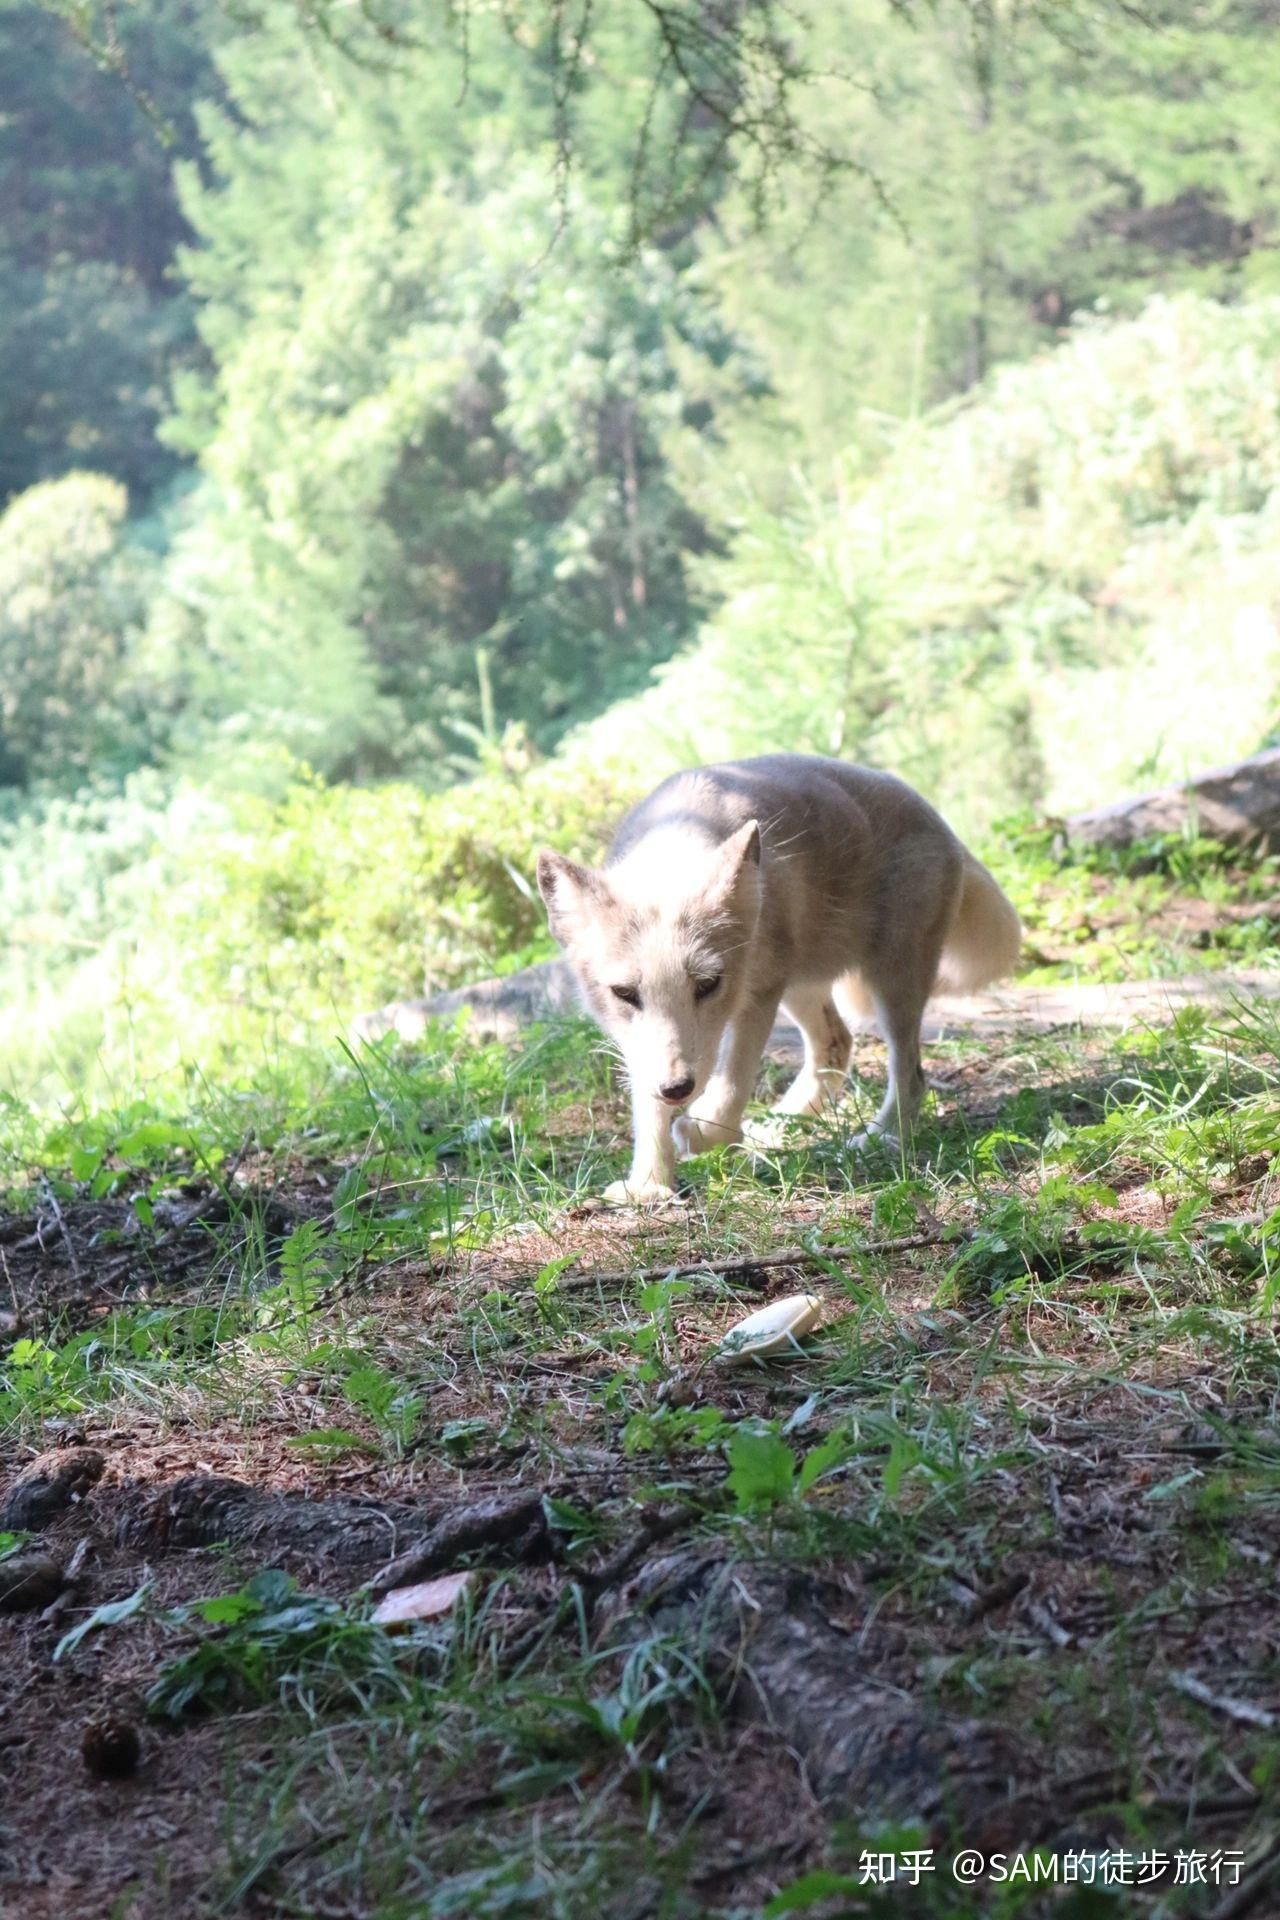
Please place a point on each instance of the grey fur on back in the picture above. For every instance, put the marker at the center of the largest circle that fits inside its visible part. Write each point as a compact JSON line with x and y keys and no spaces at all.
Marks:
{"x":840,"y":846}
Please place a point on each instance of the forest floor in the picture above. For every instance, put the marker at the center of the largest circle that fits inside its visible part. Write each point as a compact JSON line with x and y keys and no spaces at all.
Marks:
{"x":987,"y":1561}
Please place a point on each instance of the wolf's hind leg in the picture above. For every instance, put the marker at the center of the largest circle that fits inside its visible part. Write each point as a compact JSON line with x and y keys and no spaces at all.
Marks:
{"x":715,"y":1118}
{"x":899,"y":1013}
{"x":899,"y":975}
{"x":899,"y":986}
{"x":828,"y":1045}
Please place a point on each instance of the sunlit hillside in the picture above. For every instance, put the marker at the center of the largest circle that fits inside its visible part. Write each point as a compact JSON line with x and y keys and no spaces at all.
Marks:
{"x":1060,"y":591}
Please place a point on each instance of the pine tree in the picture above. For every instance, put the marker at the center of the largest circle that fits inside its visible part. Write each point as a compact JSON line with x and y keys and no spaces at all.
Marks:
{"x":436,"y":432}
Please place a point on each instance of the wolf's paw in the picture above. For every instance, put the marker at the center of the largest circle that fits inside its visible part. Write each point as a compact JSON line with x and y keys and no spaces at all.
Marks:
{"x":874,"y":1140}
{"x":694,"y":1135}
{"x":646,"y":1193}
{"x":774,"y":1130}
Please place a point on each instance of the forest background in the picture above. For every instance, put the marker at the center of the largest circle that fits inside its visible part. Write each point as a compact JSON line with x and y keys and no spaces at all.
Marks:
{"x":421,"y":428}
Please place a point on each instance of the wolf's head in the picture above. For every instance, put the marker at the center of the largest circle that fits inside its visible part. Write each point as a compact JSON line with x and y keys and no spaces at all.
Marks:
{"x":659,"y":942}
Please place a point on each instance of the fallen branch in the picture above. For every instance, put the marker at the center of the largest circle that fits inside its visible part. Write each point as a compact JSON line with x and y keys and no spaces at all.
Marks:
{"x":1242,"y":1710}
{"x":498,"y":1522}
{"x":742,"y":1265}
{"x":748,"y":1263}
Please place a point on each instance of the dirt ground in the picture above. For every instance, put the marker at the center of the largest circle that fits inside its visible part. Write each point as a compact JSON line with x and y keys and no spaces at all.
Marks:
{"x":1033,"y":1605}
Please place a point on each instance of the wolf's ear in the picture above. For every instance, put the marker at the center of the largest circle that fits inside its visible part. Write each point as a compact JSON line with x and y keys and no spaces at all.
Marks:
{"x":741,"y":849}
{"x":735,"y":875}
{"x":749,"y":836}
{"x":568,"y":890}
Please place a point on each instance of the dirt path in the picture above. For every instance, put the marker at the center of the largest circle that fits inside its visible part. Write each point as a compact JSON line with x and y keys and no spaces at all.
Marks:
{"x":499,"y":1008}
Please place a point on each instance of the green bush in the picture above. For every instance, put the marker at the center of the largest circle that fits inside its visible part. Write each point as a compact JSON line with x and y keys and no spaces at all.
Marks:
{"x":1062,"y":589}
{"x":345,"y":896}
{"x":73,"y":602}
{"x":153,"y":931}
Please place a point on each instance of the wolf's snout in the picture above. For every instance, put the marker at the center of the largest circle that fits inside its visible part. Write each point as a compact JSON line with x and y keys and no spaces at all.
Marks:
{"x":677,"y":1090}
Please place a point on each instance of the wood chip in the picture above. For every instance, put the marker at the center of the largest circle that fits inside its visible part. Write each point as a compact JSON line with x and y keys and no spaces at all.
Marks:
{"x":426,"y":1601}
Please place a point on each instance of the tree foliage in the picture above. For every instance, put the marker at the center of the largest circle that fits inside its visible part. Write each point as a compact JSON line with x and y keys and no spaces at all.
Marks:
{"x":91,"y":322}
{"x":73,"y":598}
{"x":435,"y":436}
{"x":1032,"y":163}
{"x":495,"y":353}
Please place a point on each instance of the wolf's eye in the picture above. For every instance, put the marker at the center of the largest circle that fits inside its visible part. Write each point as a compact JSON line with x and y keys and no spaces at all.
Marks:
{"x":629,"y":996}
{"x":707,"y":985}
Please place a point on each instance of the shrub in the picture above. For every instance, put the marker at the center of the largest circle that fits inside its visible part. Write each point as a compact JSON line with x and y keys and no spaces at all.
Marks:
{"x":73,"y":599}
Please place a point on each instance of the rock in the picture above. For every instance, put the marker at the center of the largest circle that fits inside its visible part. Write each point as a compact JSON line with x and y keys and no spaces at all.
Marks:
{"x":28,"y":1581}
{"x":1238,"y":805}
{"x":48,"y":1486}
{"x":498,"y":1008}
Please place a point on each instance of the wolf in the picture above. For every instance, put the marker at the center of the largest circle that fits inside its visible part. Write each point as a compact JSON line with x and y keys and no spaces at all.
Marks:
{"x":788,"y":881}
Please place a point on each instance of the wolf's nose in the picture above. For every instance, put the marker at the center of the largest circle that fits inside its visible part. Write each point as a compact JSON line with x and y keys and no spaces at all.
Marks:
{"x":677,"y":1090}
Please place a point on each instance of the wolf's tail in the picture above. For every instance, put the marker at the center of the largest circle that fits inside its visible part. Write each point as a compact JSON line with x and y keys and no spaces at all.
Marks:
{"x":985,"y":934}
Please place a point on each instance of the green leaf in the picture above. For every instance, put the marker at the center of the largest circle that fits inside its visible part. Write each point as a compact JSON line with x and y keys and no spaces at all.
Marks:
{"x":108,"y":1615}
{"x":226,"y":1608}
{"x":32,"y":1353}
{"x":84,"y":1162}
{"x":829,"y":1453}
{"x":550,"y":1274}
{"x":459,"y":1436}
{"x":811,"y":1890}
{"x":904,"y":1454}
{"x":762,"y":1467}
{"x":151,"y":1138}
{"x":347,"y":1196}
{"x":1186,"y":1215}
{"x":271,"y":1587}
{"x":266,"y":1590}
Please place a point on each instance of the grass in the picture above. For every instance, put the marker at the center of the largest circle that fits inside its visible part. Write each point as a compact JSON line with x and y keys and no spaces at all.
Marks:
{"x":1032,"y":1460}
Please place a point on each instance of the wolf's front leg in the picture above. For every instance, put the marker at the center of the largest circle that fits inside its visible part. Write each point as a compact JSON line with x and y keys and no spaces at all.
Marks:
{"x":715,"y":1119}
{"x":653,"y":1160}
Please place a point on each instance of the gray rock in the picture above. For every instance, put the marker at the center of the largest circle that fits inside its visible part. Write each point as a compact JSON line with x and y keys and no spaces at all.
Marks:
{"x":28,"y":1581}
{"x":1239,"y":805}
{"x":499,"y":1008}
